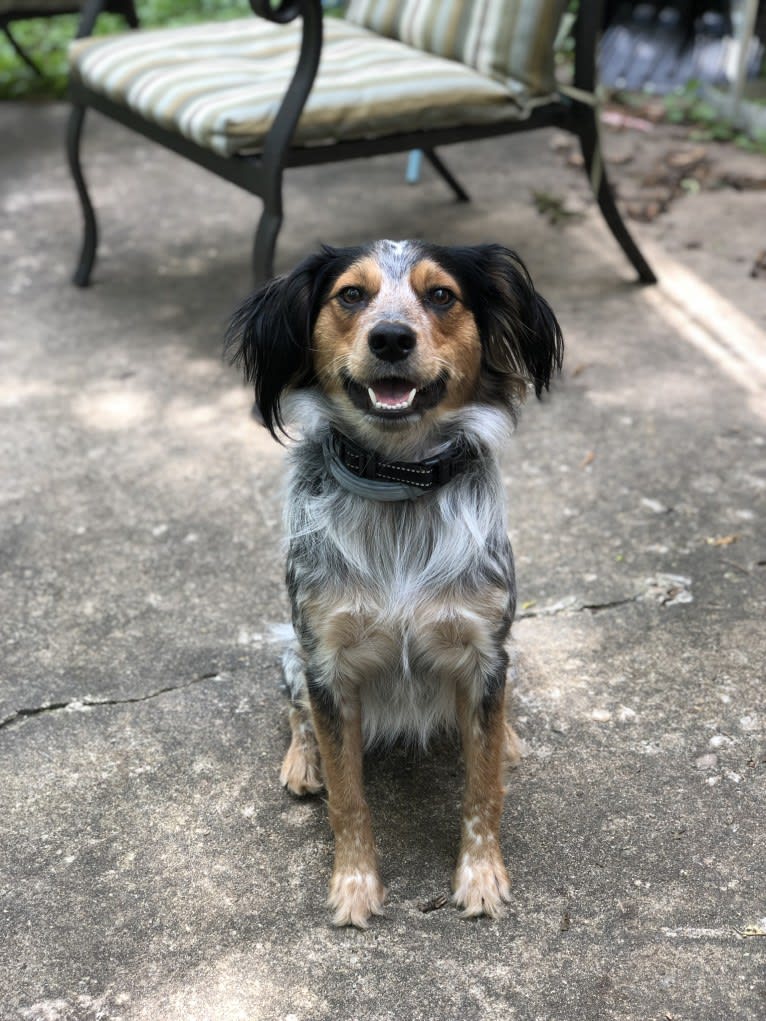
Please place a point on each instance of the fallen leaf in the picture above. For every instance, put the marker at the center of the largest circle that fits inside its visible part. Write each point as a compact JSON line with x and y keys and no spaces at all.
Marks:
{"x":616,"y":119}
{"x":619,"y":160}
{"x":434,"y":904}
{"x":722,"y":540}
{"x":579,"y":369}
{"x":742,"y":182}
{"x":654,"y":111}
{"x":557,"y":209}
{"x":684,"y":159}
{"x":646,"y":212}
{"x":654,"y":505}
{"x":759,"y":266}
{"x":528,"y":604}
{"x":589,"y":458}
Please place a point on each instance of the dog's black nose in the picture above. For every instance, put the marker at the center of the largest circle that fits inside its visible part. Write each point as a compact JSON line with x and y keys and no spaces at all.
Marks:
{"x":391,"y":341}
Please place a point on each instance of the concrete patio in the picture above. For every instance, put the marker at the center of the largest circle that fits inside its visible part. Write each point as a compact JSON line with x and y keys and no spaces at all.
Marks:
{"x":152,"y":867}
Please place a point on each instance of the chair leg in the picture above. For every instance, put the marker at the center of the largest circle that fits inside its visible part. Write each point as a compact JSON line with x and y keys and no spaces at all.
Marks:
{"x":22,"y":52}
{"x":587,"y":132}
{"x":266,"y":243}
{"x":90,"y":235}
{"x":446,"y":174}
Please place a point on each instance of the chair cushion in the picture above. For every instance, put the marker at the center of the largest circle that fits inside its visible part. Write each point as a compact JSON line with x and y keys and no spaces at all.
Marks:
{"x":504,"y":39}
{"x":221,"y":83}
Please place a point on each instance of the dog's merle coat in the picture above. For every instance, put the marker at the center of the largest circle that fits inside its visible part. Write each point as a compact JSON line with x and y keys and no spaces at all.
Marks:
{"x":400,"y":608}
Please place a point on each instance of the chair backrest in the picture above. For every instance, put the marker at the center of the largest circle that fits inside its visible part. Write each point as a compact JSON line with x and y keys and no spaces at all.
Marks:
{"x":500,"y":38}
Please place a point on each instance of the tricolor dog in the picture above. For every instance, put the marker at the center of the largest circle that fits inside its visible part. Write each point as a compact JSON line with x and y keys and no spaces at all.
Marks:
{"x":400,"y":367}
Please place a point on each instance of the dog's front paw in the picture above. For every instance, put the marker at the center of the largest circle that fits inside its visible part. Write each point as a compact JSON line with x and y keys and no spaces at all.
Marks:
{"x":481,"y":885}
{"x":355,"y":895}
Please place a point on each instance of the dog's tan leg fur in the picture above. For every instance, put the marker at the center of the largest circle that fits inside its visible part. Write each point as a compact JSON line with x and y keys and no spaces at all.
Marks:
{"x":301,"y":770}
{"x":356,"y":891}
{"x":481,"y":882}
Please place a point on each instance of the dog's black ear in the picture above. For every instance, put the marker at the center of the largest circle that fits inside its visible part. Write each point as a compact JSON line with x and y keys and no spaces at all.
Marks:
{"x":270,"y":334}
{"x":521,"y":335}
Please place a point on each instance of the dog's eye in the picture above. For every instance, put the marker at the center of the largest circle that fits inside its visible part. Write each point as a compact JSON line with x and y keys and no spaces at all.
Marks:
{"x":441,"y":296}
{"x":351,"y":296}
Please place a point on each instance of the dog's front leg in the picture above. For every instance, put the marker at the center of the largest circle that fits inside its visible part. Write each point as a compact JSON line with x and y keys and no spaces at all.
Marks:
{"x":481,"y":882}
{"x":355,"y":888}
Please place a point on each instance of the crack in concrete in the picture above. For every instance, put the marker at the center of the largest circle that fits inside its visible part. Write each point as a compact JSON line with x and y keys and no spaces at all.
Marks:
{"x":572,"y":605}
{"x":598,"y":607}
{"x":22,"y":715}
{"x":662,"y":589}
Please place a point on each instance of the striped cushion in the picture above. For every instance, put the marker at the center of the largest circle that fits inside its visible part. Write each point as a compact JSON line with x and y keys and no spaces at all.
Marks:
{"x":500,"y":38}
{"x":221,"y":83}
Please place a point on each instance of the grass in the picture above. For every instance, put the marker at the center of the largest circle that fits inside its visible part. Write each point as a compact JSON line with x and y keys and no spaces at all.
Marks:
{"x":689,"y":109}
{"x":46,"y":41}
{"x":707,"y":123}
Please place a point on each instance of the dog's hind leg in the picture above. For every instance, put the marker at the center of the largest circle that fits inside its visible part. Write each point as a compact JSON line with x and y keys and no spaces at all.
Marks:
{"x":481,"y":882}
{"x":301,"y":768}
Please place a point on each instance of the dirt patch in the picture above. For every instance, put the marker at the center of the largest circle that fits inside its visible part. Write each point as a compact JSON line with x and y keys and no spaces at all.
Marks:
{"x":654,"y":164}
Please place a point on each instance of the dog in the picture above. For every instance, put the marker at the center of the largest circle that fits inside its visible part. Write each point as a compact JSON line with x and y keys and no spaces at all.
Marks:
{"x":403,"y":365}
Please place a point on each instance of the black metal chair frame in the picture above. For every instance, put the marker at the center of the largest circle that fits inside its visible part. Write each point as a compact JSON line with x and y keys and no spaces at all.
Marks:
{"x":262,"y":174}
{"x":124,"y":7}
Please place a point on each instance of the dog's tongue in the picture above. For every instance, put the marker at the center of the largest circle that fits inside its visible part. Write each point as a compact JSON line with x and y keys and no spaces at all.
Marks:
{"x":391,"y":391}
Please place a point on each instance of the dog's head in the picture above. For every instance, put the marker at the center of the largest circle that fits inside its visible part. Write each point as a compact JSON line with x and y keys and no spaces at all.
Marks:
{"x":398,"y":333}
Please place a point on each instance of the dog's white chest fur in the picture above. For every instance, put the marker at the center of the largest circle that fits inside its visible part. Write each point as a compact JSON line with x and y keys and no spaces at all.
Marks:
{"x":401,"y":601}
{"x":406,"y":661}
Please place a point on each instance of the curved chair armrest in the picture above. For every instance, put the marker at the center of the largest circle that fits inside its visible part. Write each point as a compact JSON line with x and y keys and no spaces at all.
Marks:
{"x":587,"y":31}
{"x":280,"y":134}
{"x":284,"y":11}
{"x":90,"y":12}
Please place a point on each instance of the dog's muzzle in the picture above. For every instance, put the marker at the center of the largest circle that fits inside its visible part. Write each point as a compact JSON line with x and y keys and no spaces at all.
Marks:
{"x":394,"y":396}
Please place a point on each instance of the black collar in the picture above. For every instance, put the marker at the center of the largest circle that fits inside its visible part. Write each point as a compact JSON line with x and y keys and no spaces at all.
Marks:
{"x":425,"y":476}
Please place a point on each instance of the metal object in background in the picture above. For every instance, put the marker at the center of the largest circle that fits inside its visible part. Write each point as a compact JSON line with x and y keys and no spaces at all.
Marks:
{"x":661,"y":45}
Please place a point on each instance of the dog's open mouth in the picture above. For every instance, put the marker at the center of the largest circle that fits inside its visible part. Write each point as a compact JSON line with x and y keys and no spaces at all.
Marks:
{"x":394,"y":397}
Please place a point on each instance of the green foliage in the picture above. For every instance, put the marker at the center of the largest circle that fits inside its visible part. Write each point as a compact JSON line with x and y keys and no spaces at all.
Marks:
{"x":688,"y":107}
{"x":46,"y":41}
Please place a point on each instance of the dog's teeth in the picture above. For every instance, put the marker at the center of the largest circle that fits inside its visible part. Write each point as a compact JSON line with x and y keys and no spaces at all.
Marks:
{"x":383,"y":406}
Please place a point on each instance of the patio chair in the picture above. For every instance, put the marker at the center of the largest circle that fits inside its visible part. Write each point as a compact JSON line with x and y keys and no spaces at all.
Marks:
{"x":249,"y":99}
